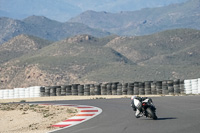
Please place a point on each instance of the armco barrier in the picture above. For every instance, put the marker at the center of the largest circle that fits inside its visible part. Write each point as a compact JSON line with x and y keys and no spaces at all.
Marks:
{"x":167,"y":87}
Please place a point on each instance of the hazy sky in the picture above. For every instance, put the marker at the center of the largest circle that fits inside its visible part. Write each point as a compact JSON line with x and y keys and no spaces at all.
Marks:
{"x":62,"y":10}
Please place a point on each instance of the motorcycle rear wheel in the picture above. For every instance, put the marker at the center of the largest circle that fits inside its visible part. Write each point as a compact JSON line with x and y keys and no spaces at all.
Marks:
{"x":151,"y":114}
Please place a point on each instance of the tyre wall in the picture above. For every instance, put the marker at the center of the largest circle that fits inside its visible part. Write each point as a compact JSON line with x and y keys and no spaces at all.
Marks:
{"x":167,"y":87}
{"x":36,"y":91}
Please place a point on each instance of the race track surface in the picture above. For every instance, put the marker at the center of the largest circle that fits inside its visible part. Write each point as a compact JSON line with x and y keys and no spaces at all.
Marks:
{"x":175,"y":115}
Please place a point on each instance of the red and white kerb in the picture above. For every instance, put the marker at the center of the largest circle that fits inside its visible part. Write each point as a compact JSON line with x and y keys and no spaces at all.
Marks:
{"x":86,"y":112}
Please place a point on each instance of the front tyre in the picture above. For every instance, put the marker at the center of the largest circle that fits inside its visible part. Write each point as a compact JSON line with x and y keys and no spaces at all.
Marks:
{"x":151,"y":114}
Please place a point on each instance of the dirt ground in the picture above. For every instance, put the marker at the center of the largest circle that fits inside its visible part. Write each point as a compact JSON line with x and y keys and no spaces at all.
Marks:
{"x":27,"y":118}
{"x":30,"y":118}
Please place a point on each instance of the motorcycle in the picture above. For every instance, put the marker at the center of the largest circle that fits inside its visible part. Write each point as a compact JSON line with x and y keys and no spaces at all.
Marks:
{"x":148,"y":109}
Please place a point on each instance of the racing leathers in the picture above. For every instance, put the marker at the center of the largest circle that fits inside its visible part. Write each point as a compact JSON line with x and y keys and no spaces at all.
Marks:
{"x":136,"y":104}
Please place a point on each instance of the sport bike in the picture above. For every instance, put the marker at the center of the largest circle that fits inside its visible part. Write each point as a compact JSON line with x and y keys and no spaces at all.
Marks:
{"x":148,"y":109}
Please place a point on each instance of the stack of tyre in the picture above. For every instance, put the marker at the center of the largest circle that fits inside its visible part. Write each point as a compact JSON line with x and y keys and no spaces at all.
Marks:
{"x":109,"y":88}
{"x":177,"y":86}
{"x":170,"y":85}
{"x":194,"y":84}
{"x":103,"y":89}
{"x":87,"y":90}
{"x":165,"y":90}
{"x":21,"y":92}
{"x":68,"y":90}
{"x":130,"y":89}
{"x":92,"y":89}
{"x":198,"y":85}
{"x":141,"y":88}
{"x":188,"y":86}
{"x":80,"y":90}
{"x":159,"y":87}
{"x":63,"y":90}
{"x":125,"y":88}
{"x":119,"y":89}
{"x":147,"y":86}
{"x":27,"y":92}
{"x":1,"y":94}
{"x":114,"y":88}
{"x":182,"y":88}
{"x":153,"y":88}
{"x":4,"y":94}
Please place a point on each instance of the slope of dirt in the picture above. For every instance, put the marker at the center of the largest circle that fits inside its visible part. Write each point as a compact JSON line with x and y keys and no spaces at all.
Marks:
{"x":27,"y":118}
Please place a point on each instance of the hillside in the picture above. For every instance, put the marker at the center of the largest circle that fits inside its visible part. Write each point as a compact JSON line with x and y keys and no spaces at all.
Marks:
{"x":144,"y":21}
{"x":85,"y":59}
{"x":20,"y":45}
{"x":44,"y":28}
{"x":158,"y":46}
{"x":62,"y":62}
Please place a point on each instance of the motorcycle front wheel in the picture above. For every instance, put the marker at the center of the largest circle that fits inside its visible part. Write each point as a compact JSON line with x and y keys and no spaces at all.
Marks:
{"x":151,"y":114}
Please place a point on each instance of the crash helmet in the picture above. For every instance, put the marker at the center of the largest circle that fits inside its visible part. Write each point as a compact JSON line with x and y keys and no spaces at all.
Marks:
{"x":133,"y":97}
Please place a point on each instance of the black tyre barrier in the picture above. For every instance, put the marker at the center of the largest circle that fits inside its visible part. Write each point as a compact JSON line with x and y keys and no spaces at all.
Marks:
{"x":87,"y":90}
{"x":58,"y":91}
{"x":170,"y":84}
{"x":109,"y":88}
{"x":171,"y":90}
{"x":80,"y":90}
{"x":159,"y":87}
{"x":141,"y":88}
{"x":147,"y":91}
{"x":147,"y":84}
{"x":114,"y":88}
{"x":47,"y":91}
{"x":68,"y":90}
{"x":92,"y":89}
{"x":63,"y":90}
{"x":124,"y":88}
{"x":75,"y":89}
{"x":182,"y":88}
{"x":42,"y":91}
{"x":97,"y":89}
{"x":130,"y":90}
{"x":53,"y":91}
{"x":153,"y":88}
{"x":167,"y":87}
{"x":147,"y":87}
{"x":176,"y":86}
{"x":103,"y":89}
{"x":119,"y":89}
{"x":136,"y":88}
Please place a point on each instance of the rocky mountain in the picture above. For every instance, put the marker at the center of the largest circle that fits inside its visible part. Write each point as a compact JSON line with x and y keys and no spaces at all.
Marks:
{"x":62,"y":62}
{"x":63,"y":10}
{"x":161,"y":48}
{"x":144,"y":21}
{"x":85,"y":59}
{"x":100,"y":24}
{"x":20,"y":45}
{"x":44,"y":28}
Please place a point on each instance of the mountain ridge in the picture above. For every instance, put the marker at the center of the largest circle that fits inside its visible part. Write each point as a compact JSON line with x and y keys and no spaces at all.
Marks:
{"x":63,"y":10}
{"x":20,"y":45}
{"x":85,"y":59}
{"x":44,"y":28}
{"x":144,"y":21}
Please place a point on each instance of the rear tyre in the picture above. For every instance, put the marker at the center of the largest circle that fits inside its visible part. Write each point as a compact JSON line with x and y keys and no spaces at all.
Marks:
{"x":151,"y":114}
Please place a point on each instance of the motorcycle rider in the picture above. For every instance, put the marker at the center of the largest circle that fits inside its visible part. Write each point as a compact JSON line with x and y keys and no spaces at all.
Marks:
{"x":136,"y":104}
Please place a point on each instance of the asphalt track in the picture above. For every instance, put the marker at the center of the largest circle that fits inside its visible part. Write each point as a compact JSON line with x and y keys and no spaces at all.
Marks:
{"x":175,"y":115}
